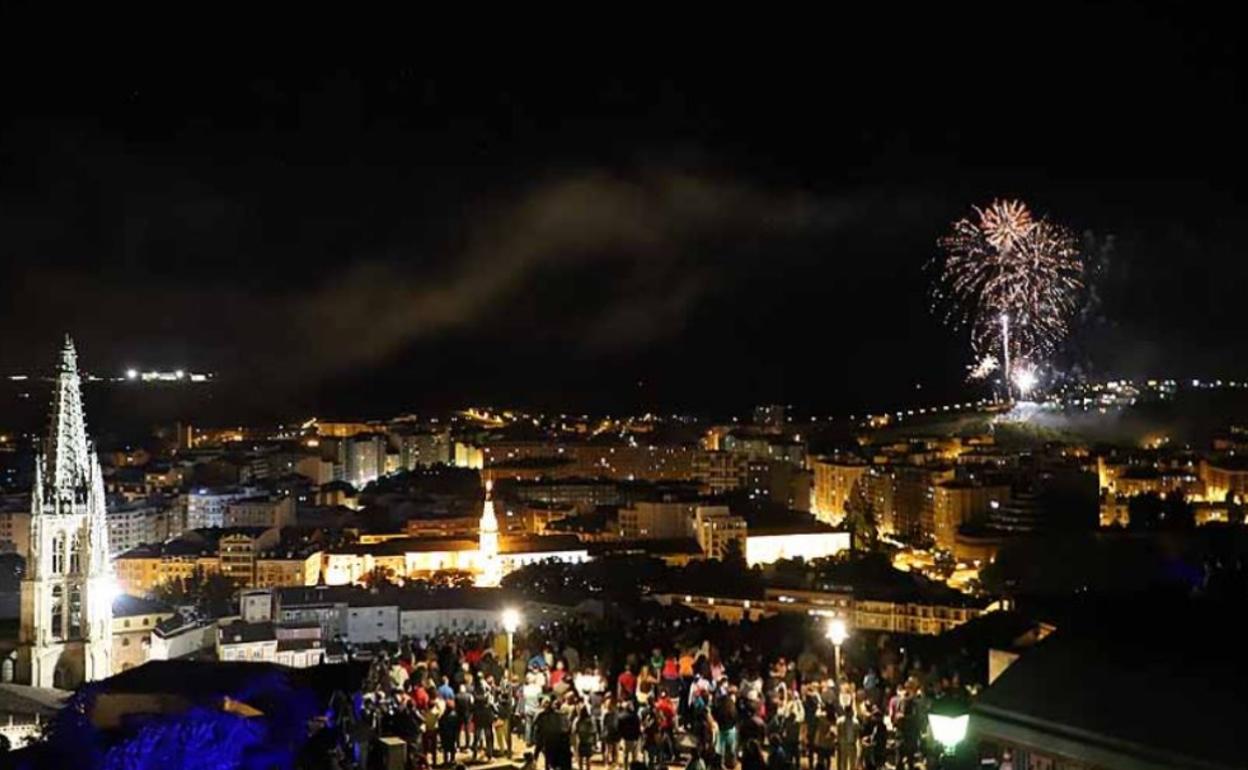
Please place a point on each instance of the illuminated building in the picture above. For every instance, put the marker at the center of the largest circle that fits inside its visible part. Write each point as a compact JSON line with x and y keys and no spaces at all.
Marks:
{"x":765,"y":546}
{"x":316,"y":469}
{"x":287,"y":568}
{"x":364,"y":459}
{"x":141,"y":569}
{"x":582,"y":495}
{"x":15,"y":531}
{"x":780,"y":482}
{"x":146,"y":521}
{"x":469,"y":456}
{"x":205,"y":507}
{"x":834,"y":477}
{"x":1225,"y":476}
{"x":957,"y":502}
{"x":67,"y":592}
{"x":913,"y":499}
{"x":861,"y":607}
{"x":592,"y":458}
{"x":134,"y":619}
{"x":488,"y":557}
{"x":1115,"y":510}
{"x":720,"y":472}
{"x":238,"y":549}
{"x":422,"y":449}
{"x":658,"y":520}
{"x":261,"y":511}
{"x":717,"y":530}
{"x":491,"y":570}
{"x":341,"y":429}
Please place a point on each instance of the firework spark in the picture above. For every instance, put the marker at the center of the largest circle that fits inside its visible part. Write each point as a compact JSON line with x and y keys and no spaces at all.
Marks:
{"x":983,"y":369}
{"x":1005,"y":223}
{"x":1005,"y":262}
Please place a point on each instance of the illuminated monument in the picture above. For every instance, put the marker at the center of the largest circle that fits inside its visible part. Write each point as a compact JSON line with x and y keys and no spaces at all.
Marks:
{"x":65,"y":636}
{"x":491,"y":568}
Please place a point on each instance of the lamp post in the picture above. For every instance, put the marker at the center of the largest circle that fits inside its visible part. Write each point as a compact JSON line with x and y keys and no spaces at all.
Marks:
{"x":837,"y":633}
{"x":948,"y":719}
{"x":511,"y":621}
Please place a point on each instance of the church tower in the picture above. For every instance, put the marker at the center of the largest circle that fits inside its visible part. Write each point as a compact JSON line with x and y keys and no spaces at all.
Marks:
{"x":65,"y":636}
{"x":491,"y":568}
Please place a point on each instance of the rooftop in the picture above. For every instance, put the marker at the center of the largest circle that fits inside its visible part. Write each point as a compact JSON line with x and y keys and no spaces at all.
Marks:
{"x":126,"y":605}
{"x":1083,"y":693}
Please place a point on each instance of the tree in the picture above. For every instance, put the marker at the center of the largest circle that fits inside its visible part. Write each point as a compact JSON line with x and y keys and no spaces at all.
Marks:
{"x":210,"y":592}
{"x":1177,"y":512}
{"x":379,"y":577}
{"x":734,"y":553}
{"x":453,"y":578}
{"x":1144,"y":511}
{"x":861,"y":518}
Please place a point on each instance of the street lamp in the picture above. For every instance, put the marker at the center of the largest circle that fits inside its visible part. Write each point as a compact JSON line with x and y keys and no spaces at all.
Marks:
{"x":837,"y":633}
{"x":948,"y":719}
{"x":511,"y":621}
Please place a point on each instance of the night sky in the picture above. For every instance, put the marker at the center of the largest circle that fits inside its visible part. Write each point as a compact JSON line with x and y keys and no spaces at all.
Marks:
{"x":670,"y":224}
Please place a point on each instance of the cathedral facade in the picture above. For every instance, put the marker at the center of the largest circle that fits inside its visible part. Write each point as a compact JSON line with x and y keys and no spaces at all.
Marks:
{"x":65,"y":635}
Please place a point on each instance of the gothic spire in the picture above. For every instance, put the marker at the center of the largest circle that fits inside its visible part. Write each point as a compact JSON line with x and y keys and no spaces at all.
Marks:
{"x":67,"y":459}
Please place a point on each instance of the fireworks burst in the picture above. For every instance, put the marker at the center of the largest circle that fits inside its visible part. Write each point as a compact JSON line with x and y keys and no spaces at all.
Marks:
{"x":983,"y":369}
{"x":1005,"y":223}
{"x":1005,"y":263}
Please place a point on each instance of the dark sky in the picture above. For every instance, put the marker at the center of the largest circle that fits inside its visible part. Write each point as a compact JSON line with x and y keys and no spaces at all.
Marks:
{"x":696,"y":222}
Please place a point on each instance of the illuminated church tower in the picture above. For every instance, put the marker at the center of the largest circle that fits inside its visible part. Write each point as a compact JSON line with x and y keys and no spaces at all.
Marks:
{"x":491,"y":568}
{"x":65,"y":636}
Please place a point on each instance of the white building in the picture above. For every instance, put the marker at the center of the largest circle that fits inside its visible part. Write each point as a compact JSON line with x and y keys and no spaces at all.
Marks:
{"x":134,"y":524}
{"x":65,"y":634}
{"x":370,"y":624}
{"x":206,"y":506}
{"x":182,"y":636}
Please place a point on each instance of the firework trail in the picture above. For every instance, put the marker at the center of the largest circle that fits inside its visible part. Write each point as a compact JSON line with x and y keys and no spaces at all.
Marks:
{"x":1005,"y":263}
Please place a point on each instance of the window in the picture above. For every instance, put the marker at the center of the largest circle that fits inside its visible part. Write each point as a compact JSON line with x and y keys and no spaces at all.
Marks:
{"x":75,"y":553}
{"x":125,"y":641}
{"x":58,"y":554}
{"x":75,"y":612}
{"x":58,"y":613}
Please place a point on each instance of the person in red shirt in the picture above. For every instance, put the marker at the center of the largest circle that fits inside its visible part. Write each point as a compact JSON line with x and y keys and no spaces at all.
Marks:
{"x":558,"y":674}
{"x":666,"y":711}
{"x":626,"y":684}
{"x":420,"y":697}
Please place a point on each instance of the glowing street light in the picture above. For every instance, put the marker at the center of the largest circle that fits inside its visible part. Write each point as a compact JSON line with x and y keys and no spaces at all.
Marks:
{"x":132,"y":374}
{"x":511,"y":622}
{"x":837,"y":633}
{"x":948,"y":719}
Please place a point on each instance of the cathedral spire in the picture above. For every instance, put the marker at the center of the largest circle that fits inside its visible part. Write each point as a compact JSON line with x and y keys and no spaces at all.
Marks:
{"x":491,"y":569}
{"x":67,"y":460}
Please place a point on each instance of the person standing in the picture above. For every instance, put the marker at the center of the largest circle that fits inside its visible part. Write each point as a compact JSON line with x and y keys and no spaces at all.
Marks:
{"x":846,"y":737}
{"x":630,"y":733}
{"x":506,"y":706}
{"x":585,"y":728}
{"x":610,"y":731}
{"x":448,"y":733}
{"x":724,"y":712}
{"x":546,"y":729}
{"x":483,"y":715}
{"x":874,"y":740}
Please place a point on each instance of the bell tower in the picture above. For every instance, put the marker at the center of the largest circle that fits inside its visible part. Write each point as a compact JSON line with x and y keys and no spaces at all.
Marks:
{"x":65,"y":637}
{"x":491,"y":568}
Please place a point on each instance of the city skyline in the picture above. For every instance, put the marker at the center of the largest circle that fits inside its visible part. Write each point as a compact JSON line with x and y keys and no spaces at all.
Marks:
{"x":865,"y":392}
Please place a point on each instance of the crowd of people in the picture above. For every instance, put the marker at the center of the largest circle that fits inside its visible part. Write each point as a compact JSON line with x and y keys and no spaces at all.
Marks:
{"x":566,"y":699}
